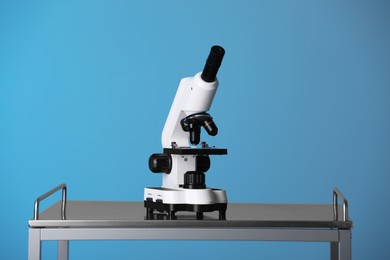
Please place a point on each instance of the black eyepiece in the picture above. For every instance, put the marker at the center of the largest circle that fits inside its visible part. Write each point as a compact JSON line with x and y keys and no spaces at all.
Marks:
{"x":213,"y":63}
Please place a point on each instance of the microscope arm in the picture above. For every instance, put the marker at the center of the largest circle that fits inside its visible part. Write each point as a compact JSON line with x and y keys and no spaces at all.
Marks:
{"x":193,"y":97}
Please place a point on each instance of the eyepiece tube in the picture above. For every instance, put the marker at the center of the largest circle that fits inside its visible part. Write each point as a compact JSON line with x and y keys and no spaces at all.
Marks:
{"x":213,"y":63}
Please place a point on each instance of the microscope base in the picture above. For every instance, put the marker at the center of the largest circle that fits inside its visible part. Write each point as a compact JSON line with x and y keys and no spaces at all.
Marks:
{"x":175,"y":200}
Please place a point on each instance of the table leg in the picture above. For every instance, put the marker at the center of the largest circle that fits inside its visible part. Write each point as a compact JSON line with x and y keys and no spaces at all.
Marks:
{"x":34,"y":244}
{"x":345,"y":248}
{"x":63,"y":249}
{"x":334,"y":250}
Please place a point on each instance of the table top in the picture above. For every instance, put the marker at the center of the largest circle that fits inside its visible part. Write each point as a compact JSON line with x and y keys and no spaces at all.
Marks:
{"x":124,"y":214}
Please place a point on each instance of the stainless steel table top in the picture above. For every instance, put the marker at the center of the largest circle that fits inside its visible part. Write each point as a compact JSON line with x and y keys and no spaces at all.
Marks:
{"x":124,"y":214}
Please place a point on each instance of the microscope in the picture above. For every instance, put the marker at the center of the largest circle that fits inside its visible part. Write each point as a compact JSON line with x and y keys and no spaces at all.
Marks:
{"x":185,"y":159}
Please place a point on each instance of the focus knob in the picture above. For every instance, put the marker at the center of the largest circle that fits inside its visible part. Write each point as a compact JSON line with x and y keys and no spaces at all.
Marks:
{"x":160,"y":162}
{"x":194,"y":180}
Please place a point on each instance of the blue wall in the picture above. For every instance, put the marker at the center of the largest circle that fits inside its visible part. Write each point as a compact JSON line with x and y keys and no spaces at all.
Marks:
{"x":303,"y":106}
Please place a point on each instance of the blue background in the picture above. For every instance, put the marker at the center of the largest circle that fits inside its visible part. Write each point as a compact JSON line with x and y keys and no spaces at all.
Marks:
{"x":303,"y":106}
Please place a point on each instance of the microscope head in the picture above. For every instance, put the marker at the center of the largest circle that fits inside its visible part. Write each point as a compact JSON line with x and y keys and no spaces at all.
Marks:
{"x":192,"y":102}
{"x":194,"y":122}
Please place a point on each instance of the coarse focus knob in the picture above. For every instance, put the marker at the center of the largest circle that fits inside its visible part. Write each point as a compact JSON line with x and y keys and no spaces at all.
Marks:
{"x":160,"y":162}
{"x":194,"y":180}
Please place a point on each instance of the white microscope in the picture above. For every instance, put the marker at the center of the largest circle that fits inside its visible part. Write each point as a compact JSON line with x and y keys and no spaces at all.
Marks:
{"x":184,"y":162}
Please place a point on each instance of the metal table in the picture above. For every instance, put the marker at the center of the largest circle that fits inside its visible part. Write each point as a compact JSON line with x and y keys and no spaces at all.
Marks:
{"x":121,"y":220}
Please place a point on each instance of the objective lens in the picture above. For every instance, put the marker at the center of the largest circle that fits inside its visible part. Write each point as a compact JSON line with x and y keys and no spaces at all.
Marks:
{"x":210,"y":127}
{"x":195,"y":135}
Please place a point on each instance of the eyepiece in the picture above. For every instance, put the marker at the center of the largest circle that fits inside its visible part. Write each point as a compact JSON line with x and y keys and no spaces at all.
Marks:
{"x":213,"y":63}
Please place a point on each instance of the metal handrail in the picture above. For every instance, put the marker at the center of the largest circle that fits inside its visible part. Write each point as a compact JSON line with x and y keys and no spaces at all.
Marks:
{"x":336,"y":194}
{"x":47,"y":194}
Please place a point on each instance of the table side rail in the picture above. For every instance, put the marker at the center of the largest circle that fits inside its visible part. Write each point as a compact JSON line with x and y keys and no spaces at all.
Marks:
{"x":337,"y":194}
{"x":47,"y":194}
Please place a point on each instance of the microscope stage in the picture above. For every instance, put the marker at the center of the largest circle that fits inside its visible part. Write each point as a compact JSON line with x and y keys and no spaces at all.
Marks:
{"x":197,"y":151}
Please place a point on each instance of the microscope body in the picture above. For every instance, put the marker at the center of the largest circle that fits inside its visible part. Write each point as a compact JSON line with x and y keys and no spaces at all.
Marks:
{"x":192,"y":97}
{"x":183,"y":162}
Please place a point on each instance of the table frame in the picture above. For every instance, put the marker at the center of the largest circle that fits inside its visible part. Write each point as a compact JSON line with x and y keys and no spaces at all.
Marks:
{"x":339,"y":238}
